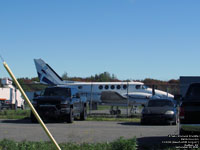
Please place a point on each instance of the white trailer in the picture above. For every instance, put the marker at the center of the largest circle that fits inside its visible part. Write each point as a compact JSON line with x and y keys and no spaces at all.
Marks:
{"x":10,"y":97}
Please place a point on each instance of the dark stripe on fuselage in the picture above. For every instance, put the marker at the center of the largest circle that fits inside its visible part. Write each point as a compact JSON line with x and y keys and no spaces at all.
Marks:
{"x":39,"y":75}
{"x":54,"y":72}
{"x":44,"y":79}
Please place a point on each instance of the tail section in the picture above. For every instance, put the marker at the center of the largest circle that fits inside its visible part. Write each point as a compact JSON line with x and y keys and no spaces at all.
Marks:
{"x":46,"y":74}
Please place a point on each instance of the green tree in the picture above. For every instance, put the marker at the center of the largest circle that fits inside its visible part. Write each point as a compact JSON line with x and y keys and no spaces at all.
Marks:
{"x":65,"y":76}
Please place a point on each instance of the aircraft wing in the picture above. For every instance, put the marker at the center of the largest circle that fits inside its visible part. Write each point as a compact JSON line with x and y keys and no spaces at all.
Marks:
{"x":115,"y":98}
{"x":112,"y":97}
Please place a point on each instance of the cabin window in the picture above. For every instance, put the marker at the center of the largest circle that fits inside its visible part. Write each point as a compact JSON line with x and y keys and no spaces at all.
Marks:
{"x":100,"y":87}
{"x":138,"y":86}
{"x":80,"y":87}
{"x":124,"y":86}
{"x":106,"y":87}
{"x":112,"y":87}
{"x":118,"y":87}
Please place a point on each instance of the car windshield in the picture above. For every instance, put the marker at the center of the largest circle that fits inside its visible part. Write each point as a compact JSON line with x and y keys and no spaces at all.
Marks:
{"x":57,"y":91}
{"x":160,"y":103}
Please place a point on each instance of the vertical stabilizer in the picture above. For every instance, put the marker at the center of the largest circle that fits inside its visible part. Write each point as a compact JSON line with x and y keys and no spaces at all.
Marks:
{"x":46,"y":74}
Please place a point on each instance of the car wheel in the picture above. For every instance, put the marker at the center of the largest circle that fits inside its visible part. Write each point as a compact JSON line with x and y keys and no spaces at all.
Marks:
{"x":83,"y":115}
{"x":70,"y":116}
{"x":142,"y":122}
{"x":175,"y":120}
{"x":33,"y":118}
{"x":16,"y":105}
{"x":22,"y":107}
{"x":118,"y":112}
{"x":112,"y":112}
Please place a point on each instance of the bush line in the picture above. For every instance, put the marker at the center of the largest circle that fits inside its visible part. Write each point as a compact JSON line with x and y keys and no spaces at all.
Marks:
{"x":119,"y":144}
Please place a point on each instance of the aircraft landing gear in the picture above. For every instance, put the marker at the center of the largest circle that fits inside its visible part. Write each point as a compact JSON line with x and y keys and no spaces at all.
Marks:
{"x":115,"y":112}
{"x":134,"y":110}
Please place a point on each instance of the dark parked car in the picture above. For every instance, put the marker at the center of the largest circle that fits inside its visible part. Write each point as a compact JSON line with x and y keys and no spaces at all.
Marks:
{"x":160,"y":111}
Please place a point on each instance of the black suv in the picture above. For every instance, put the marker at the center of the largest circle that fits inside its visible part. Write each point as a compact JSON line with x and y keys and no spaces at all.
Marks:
{"x":60,"y":102}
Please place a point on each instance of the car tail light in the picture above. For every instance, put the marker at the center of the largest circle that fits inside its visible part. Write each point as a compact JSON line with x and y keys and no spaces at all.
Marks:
{"x":7,"y":102}
{"x":181,"y":113}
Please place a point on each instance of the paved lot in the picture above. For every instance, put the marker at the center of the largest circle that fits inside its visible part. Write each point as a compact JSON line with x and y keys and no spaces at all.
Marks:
{"x":82,"y":131}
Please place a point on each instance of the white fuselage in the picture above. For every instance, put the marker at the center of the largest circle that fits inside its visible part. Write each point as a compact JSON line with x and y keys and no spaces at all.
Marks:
{"x":133,"y":91}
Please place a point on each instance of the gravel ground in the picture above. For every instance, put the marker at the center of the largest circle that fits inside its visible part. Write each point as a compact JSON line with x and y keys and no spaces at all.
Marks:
{"x":84,"y":131}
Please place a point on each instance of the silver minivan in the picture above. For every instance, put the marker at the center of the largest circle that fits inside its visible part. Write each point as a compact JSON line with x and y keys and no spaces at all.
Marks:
{"x":159,"y":111}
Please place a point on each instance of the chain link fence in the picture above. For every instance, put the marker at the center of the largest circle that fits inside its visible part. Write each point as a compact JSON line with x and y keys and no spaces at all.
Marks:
{"x":126,"y":108}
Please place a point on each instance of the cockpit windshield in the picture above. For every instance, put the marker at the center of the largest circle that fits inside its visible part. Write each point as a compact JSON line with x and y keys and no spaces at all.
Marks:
{"x":144,"y":87}
{"x":141,"y":87}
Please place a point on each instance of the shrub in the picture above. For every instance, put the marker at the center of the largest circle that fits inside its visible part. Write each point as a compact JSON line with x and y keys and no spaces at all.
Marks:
{"x":123,"y":144}
{"x":119,"y":144}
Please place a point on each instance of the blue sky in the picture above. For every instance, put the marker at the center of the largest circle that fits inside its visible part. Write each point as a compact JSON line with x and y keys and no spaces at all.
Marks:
{"x":133,"y":39}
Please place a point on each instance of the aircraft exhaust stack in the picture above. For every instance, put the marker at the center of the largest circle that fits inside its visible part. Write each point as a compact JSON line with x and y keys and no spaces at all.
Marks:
{"x":153,"y":90}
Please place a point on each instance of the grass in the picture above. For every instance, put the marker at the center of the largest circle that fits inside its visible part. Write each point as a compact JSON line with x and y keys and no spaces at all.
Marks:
{"x":14,"y":114}
{"x":106,"y":107}
{"x":24,"y":114}
{"x":105,"y":118}
{"x":119,"y":144}
{"x":103,"y":107}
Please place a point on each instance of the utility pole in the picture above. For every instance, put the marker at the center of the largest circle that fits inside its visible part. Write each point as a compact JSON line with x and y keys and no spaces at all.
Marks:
{"x":91,"y":97}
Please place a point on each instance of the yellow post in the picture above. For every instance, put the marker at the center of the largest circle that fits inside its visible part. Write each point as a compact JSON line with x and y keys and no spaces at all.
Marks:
{"x":31,"y":106}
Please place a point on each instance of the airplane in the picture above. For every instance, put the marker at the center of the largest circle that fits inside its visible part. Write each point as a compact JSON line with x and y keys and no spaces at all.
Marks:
{"x":107,"y":93}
